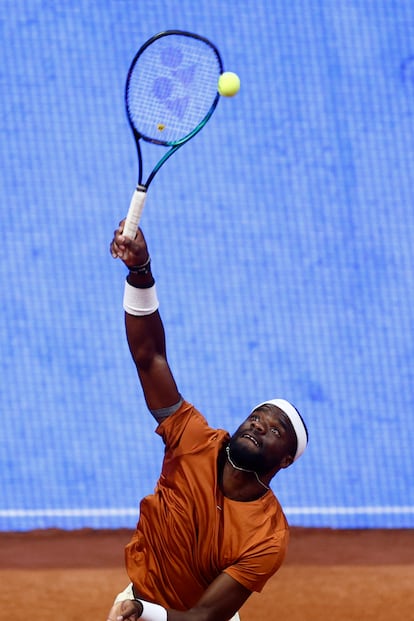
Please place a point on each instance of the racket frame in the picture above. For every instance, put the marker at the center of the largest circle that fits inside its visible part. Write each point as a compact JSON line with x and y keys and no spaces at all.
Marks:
{"x":173,"y":144}
{"x":138,"y":198}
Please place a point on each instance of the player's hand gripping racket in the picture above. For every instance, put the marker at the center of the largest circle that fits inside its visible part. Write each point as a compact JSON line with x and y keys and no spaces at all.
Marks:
{"x":170,"y":94}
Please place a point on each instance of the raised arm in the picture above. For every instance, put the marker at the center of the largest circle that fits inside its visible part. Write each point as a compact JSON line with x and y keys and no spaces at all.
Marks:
{"x":144,"y":328}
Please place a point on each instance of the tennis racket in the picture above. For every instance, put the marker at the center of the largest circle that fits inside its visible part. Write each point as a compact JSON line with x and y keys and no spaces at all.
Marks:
{"x":170,"y":94}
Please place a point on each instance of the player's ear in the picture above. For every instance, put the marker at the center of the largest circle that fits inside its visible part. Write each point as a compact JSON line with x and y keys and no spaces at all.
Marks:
{"x":286,"y":461}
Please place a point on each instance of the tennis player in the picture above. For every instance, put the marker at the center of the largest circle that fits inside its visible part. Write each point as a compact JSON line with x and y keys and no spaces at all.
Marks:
{"x":213,"y":531}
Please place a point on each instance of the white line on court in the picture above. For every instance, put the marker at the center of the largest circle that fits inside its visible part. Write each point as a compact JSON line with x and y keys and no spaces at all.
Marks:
{"x":108,"y":512}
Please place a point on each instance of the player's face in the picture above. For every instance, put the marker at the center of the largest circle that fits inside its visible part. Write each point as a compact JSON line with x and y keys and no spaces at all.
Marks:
{"x":265,"y":441}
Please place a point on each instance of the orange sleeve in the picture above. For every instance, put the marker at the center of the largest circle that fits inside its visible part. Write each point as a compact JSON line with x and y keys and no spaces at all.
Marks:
{"x":185,"y":430}
{"x":253,"y":571}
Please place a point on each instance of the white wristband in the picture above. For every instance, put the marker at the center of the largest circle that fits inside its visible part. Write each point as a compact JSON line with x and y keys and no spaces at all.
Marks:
{"x":152,"y":612}
{"x":140,"y":302}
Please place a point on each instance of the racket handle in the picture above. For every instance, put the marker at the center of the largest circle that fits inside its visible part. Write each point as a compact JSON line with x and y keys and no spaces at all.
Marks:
{"x":136,"y":207}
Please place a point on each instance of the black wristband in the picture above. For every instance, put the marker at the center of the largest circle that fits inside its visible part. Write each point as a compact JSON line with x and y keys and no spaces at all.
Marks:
{"x":141,"y":285}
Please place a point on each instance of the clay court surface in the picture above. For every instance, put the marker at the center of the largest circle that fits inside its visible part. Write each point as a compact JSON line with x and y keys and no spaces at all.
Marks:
{"x":329,"y":575}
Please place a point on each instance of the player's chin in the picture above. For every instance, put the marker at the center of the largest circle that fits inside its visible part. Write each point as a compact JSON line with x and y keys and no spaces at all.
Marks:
{"x":245,"y":453}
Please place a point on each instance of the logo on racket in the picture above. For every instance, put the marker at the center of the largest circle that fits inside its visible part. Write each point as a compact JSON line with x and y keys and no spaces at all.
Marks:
{"x":164,"y":87}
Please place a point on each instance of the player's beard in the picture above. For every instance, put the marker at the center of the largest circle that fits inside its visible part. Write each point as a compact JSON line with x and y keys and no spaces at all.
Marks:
{"x":243,"y":457}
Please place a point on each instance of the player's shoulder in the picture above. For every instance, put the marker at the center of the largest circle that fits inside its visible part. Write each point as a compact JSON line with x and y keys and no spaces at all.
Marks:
{"x":187,"y":422}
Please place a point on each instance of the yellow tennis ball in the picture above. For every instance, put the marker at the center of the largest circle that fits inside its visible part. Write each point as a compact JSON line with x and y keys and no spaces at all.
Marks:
{"x":228,"y":84}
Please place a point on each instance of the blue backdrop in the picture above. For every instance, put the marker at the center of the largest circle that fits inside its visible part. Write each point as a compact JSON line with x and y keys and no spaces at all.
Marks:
{"x":282,"y":243}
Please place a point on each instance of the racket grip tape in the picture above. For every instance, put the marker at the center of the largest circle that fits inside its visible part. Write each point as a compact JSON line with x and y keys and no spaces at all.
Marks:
{"x":136,"y":207}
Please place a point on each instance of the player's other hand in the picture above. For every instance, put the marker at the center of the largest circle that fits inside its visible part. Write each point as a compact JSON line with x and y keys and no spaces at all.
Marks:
{"x":128,"y":610}
{"x":130,"y":251}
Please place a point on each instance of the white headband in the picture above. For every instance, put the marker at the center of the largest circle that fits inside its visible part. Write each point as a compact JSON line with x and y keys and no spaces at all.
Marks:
{"x":296,"y":420}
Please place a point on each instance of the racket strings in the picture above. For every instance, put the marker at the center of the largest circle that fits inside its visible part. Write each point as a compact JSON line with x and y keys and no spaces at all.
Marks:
{"x":172,"y":88}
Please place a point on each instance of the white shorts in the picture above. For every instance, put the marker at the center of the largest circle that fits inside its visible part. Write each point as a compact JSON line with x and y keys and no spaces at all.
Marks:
{"x":129,"y":594}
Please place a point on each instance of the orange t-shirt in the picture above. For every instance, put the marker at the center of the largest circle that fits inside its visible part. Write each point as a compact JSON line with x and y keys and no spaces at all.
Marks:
{"x":188,"y":532}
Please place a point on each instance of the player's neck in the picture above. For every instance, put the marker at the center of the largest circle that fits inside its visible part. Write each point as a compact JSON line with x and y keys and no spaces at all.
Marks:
{"x":237,"y":483}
